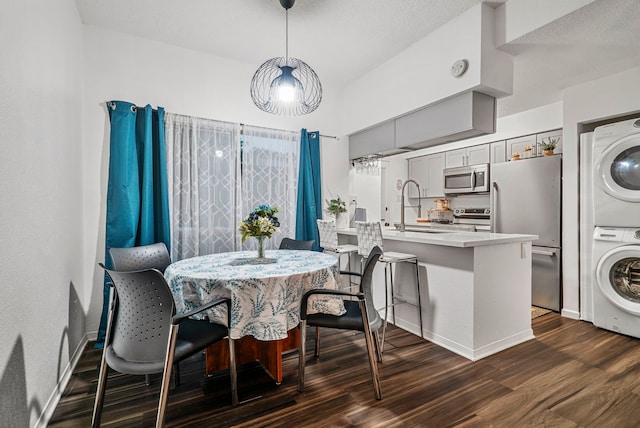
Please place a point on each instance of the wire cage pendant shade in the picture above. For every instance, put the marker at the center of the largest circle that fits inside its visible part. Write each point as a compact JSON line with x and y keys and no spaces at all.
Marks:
{"x":289,"y":88}
{"x":286,"y":85}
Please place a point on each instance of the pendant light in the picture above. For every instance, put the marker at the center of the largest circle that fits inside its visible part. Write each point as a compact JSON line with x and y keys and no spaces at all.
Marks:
{"x":286,"y":85}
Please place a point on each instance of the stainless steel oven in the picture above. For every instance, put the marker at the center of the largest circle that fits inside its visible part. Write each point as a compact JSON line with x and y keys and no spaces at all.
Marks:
{"x":466,"y":179}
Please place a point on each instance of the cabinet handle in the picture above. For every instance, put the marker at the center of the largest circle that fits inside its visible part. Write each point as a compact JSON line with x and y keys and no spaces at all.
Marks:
{"x":544,"y":253}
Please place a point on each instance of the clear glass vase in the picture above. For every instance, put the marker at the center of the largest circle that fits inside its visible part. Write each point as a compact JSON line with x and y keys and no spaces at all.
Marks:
{"x":260,"y":246}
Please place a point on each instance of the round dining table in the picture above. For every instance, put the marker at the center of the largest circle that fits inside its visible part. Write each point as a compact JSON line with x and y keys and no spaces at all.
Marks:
{"x":265,"y":292}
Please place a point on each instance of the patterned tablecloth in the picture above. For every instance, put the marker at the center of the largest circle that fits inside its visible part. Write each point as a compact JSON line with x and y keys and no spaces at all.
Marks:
{"x":265,"y":293}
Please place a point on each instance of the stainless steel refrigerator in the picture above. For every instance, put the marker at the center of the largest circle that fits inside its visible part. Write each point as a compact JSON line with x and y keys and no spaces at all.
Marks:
{"x":526,"y":198}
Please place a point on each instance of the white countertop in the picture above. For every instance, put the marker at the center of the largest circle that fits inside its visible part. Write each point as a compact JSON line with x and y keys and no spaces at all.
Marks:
{"x":449,"y":239}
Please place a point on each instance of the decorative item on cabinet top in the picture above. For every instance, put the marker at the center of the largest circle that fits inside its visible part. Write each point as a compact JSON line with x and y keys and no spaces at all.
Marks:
{"x":534,"y":145}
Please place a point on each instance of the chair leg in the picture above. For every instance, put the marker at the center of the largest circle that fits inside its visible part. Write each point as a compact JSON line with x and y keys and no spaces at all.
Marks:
{"x":376,"y":344}
{"x":317,"y":350}
{"x":104,"y":368}
{"x":233,"y":372}
{"x":375,"y":377}
{"x":102,"y":386}
{"x":386,"y":307}
{"x":166,"y":376}
{"x":302,"y":355}
{"x":393,"y":297}
{"x":419,"y":299}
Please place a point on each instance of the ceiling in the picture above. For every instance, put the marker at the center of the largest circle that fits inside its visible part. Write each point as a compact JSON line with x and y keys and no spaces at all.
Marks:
{"x":342,"y":39}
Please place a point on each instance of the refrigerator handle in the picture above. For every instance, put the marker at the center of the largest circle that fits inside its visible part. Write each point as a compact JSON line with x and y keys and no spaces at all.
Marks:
{"x":544,"y":253}
{"x":494,"y":212}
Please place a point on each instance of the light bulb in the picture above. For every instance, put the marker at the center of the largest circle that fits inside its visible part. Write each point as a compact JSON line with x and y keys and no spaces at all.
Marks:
{"x":286,"y":92}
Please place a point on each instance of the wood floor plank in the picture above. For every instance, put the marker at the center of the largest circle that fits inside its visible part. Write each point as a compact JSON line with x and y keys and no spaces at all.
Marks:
{"x":571,"y":375}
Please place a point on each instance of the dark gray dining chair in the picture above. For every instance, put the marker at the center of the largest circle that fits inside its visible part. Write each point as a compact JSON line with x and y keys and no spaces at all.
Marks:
{"x":295,"y":244}
{"x":145,"y":336}
{"x":154,"y":256}
{"x":361,"y":316}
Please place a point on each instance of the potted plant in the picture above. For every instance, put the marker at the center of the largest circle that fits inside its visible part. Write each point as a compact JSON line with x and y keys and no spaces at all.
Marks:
{"x":549,"y":146}
{"x":337,"y":206}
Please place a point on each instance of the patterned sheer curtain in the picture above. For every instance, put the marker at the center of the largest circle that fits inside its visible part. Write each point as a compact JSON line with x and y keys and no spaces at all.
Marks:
{"x":203,"y":158}
{"x":270,"y":176}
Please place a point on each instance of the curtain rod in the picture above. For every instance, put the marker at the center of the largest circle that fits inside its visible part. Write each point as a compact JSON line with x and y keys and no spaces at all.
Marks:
{"x":242,"y":125}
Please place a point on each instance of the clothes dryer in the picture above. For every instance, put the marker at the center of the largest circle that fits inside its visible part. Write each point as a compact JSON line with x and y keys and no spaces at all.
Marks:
{"x":616,"y":288}
{"x":616,"y":174}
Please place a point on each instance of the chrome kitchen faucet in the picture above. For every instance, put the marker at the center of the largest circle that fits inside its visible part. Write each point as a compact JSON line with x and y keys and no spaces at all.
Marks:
{"x":402,"y":202}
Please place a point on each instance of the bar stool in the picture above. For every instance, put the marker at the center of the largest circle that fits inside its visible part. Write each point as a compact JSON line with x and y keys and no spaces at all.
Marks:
{"x":369,"y":235}
{"x":329,"y":241}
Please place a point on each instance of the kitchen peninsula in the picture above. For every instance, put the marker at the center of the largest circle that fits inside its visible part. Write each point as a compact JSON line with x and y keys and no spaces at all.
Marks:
{"x":475,"y":288}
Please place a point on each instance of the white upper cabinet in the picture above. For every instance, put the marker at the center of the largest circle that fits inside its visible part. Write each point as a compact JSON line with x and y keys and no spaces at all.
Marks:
{"x":435,"y":178}
{"x":468,"y":156}
{"x":427,"y":171}
{"x":417,"y":172}
{"x":535,"y":144}
{"x":455,"y":158}
{"x":516,"y":146}
{"x":498,"y":151}
{"x":547,"y":137}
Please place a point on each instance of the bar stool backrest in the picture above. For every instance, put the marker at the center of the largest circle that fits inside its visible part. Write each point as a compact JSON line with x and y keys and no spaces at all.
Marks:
{"x":369,"y":235}
{"x":328,"y":234}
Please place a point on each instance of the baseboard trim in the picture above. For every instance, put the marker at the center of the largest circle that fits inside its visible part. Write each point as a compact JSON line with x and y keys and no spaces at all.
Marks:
{"x":54,"y":399}
{"x":570,"y":314}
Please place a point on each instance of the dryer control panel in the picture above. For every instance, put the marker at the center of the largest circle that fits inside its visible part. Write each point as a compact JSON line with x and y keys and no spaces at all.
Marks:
{"x":617,"y":234}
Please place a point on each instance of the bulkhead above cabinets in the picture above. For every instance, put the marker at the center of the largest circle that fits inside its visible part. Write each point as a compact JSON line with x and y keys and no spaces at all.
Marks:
{"x":460,"y":117}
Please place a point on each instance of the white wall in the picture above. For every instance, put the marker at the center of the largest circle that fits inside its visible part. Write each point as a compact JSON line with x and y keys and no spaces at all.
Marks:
{"x":122,"y":67}
{"x":43,"y":293}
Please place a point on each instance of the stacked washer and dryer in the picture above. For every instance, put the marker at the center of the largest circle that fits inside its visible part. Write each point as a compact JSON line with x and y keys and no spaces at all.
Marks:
{"x":610,"y":278}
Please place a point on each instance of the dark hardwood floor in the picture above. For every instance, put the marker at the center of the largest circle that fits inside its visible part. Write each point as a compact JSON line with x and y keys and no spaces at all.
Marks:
{"x":571,"y":375}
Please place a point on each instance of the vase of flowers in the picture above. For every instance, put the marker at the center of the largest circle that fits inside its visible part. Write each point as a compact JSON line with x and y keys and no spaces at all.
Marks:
{"x":336,"y":207}
{"x":261,"y":223}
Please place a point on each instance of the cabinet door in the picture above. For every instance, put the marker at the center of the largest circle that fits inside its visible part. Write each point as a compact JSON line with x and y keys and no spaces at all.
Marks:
{"x":478,"y":154}
{"x":435,"y":178}
{"x":455,"y":158}
{"x":517,"y":145}
{"x":547,"y":137}
{"x":499,"y":151}
{"x":417,"y":172}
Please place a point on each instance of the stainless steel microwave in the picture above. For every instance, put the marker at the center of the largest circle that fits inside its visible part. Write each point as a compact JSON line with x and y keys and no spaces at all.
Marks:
{"x":466,"y":179}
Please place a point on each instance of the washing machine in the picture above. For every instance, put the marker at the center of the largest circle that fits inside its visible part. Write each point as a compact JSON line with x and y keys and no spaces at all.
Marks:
{"x":616,"y":174}
{"x":616,"y":282}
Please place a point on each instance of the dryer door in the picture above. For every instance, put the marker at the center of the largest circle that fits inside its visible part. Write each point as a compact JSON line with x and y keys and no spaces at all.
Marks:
{"x":618,"y":169}
{"x":618,"y":277}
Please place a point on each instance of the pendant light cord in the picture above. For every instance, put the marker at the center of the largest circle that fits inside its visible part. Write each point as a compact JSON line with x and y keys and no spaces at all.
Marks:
{"x":286,"y":14}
